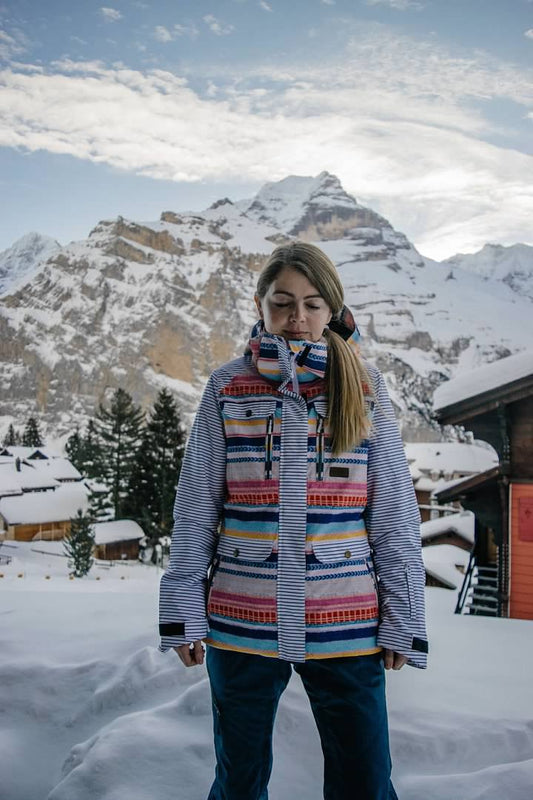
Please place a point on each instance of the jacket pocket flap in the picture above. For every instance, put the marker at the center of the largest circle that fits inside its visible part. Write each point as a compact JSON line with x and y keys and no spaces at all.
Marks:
{"x":244,"y":549}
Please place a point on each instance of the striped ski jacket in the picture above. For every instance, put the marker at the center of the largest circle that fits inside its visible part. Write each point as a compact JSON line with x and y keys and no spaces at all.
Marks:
{"x":279,"y":548}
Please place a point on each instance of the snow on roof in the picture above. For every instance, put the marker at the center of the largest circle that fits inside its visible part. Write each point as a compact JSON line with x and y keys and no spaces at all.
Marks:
{"x":25,"y":479}
{"x":449,"y":458}
{"x":39,"y":507}
{"x":462,"y":524}
{"x":60,"y":468}
{"x":440,"y":562}
{"x":119,"y":530}
{"x":26,"y":452}
{"x":483,"y":379}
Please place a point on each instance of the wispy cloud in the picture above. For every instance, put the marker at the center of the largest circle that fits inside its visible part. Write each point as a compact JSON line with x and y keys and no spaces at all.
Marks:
{"x":216,"y":26}
{"x":163,"y":34}
{"x":13,"y":44}
{"x":399,"y":5}
{"x":110,"y":14}
{"x":400,"y":123}
{"x":328,"y":2}
{"x":264,"y":5}
{"x":529,"y":33}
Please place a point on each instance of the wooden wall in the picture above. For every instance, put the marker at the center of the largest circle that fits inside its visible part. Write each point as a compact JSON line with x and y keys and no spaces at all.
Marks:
{"x":522,"y":439}
{"x":521,"y":556}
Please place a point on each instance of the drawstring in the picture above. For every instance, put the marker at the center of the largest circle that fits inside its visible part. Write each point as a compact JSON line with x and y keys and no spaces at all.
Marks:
{"x":295,"y":384}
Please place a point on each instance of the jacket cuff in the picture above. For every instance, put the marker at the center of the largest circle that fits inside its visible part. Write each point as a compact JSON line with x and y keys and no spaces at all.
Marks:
{"x":414,"y":647}
{"x":174,"y":634}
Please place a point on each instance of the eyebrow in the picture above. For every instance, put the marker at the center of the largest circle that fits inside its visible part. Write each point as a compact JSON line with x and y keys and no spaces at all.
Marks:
{"x":307,"y":297}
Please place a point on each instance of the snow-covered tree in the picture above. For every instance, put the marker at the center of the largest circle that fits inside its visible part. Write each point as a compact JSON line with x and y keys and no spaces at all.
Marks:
{"x":119,"y":431}
{"x":155,"y":475}
{"x":79,"y":544}
{"x":12,"y":437}
{"x":32,"y":434}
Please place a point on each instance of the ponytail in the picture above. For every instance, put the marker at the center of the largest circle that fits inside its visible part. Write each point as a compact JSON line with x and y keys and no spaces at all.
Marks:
{"x":347,"y":382}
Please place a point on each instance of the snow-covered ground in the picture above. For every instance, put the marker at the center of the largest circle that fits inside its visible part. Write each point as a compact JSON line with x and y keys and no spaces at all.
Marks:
{"x":91,"y":710}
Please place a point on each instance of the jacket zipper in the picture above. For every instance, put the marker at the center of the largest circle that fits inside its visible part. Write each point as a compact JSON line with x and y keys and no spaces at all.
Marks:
{"x":319,"y":447}
{"x":212,"y":570}
{"x":268,"y":447}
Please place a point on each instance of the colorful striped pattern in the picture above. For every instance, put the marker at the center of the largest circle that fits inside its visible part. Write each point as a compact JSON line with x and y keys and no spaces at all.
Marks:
{"x":294,"y":577}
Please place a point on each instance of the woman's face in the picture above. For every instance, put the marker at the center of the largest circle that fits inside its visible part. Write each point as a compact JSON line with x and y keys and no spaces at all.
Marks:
{"x":293,"y":308}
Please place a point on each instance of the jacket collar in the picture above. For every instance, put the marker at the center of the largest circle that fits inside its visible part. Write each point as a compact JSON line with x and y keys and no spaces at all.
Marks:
{"x":279,"y":360}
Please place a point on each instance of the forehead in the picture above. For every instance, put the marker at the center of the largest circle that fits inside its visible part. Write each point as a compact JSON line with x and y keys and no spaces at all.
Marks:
{"x":292,"y":281}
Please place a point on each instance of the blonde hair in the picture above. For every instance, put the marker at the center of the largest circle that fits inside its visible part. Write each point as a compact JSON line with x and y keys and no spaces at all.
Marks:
{"x":346,"y":376}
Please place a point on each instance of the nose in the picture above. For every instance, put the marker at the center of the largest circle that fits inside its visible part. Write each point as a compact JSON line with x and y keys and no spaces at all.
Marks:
{"x":297,"y":312}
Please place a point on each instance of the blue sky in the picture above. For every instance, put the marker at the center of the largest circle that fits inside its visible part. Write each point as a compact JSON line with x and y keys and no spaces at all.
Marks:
{"x":423,"y":108}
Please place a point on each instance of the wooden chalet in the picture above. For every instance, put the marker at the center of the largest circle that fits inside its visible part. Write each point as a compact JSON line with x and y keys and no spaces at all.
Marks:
{"x":496,"y":403}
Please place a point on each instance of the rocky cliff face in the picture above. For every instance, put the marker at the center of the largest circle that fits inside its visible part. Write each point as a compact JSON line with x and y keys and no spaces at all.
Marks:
{"x":152,"y":304}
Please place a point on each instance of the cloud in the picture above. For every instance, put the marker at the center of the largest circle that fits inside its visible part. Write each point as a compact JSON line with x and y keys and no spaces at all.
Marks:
{"x":328,"y":2}
{"x":12,"y":45}
{"x":110,"y":14}
{"x":398,"y":121}
{"x":163,"y":34}
{"x":398,"y":5}
{"x":264,"y":5}
{"x":216,"y":26}
{"x":529,"y":33}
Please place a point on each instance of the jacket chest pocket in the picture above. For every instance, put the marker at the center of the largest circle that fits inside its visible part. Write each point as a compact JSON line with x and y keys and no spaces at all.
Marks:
{"x":252,"y":437}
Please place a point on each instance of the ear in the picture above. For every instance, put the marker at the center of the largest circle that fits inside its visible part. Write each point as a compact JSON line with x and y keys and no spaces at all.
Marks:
{"x":258,"y":305}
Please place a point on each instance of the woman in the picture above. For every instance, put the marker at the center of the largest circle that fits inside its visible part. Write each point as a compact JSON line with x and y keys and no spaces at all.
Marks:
{"x":293,"y":487}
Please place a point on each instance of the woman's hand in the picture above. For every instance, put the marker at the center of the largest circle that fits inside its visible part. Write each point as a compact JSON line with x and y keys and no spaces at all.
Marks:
{"x":191,"y":654}
{"x":392,"y":660}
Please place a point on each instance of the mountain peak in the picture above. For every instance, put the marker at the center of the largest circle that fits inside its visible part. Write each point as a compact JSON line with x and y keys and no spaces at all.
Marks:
{"x":20,"y":261}
{"x":312,"y":208}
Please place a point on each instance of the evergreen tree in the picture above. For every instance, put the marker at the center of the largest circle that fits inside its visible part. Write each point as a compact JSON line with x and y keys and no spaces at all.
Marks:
{"x":156,"y":472}
{"x":12,"y":437}
{"x":119,"y":431}
{"x":79,"y":544}
{"x":32,"y":434}
{"x":74,"y":450}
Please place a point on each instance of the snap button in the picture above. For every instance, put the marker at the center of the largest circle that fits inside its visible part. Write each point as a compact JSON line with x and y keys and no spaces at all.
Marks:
{"x":248,"y":412}
{"x":236,"y":552}
{"x":347,"y":553}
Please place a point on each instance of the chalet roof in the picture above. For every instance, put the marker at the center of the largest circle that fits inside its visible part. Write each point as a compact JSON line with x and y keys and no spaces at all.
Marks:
{"x":468,"y":485}
{"x":504,"y":380}
{"x":13,"y":481}
{"x":120,"y":530}
{"x":448,"y":458}
{"x":462,"y":524}
{"x":440,"y":561}
{"x":36,"y":453}
{"x":33,"y":508}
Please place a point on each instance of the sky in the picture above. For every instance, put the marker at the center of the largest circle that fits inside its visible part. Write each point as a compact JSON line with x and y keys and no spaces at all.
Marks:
{"x":422,"y":108}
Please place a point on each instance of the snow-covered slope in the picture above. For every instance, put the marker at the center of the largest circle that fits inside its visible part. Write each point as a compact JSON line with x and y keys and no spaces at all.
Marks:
{"x":161,"y":303}
{"x":511,"y":265}
{"x":20,"y":261}
{"x":92,"y":711}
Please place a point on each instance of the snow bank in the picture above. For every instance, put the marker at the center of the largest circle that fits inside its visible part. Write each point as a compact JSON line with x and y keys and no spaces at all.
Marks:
{"x":98,"y":713}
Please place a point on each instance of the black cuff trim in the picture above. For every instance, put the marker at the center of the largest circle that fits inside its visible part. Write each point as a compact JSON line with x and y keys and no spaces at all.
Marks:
{"x":172,"y":629}
{"x":420,"y":644}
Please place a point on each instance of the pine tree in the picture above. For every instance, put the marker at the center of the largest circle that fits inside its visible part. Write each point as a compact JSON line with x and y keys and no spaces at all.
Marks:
{"x":74,"y":449}
{"x":156,"y":472}
{"x":119,"y":432}
{"x":79,"y":544}
{"x":12,"y":437}
{"x":32,"y":435}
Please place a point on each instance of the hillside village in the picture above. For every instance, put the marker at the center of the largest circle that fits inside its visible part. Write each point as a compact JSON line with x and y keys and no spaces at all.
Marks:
{"x":465,"y":545}
{"x":125,"y":307}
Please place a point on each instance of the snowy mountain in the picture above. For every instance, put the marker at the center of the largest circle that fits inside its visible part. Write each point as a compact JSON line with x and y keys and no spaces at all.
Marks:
{"x":153,"y":304}
{"x":20,"y":261}
{"x":510,"y":265}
